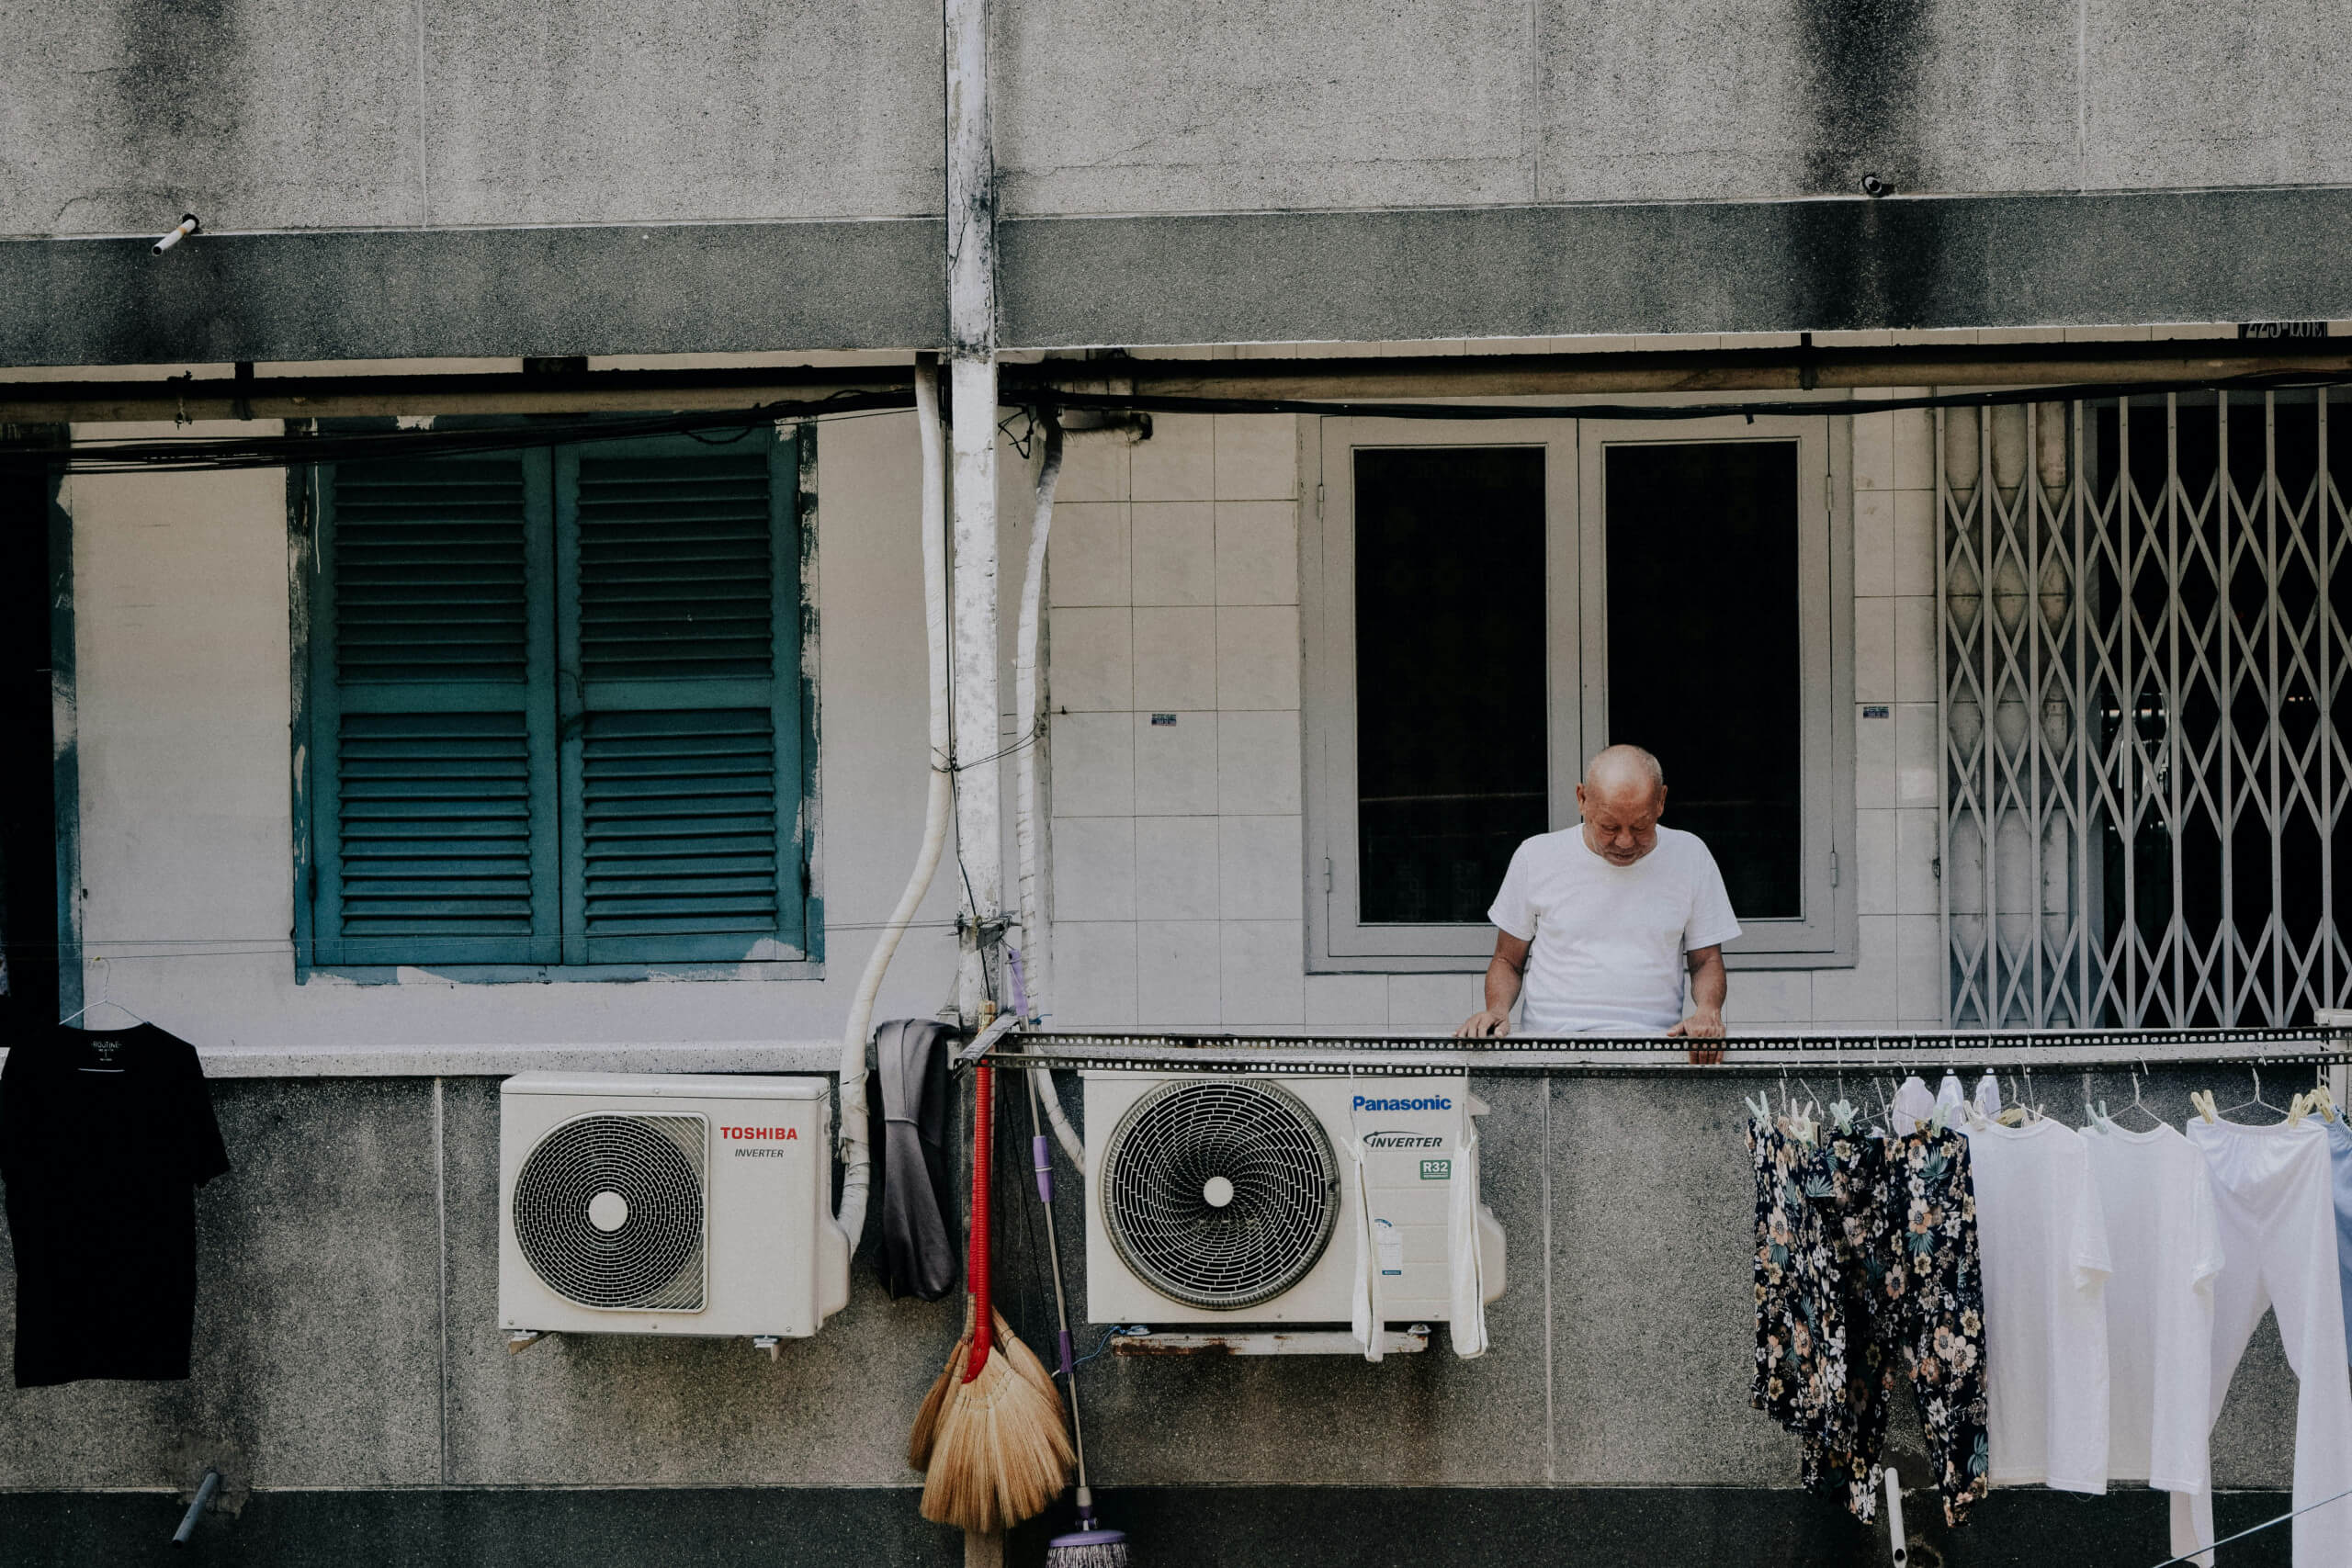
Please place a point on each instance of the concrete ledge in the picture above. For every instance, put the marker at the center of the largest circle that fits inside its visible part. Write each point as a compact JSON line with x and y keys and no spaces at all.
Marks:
{"x":1275,"y":1527}
{"x":2109,"y":258}
{"x":374,"y":294}
{"x":2095,"y":259}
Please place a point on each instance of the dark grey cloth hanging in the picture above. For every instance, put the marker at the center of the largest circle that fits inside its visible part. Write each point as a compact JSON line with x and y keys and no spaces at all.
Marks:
{"x":920,"y":1242}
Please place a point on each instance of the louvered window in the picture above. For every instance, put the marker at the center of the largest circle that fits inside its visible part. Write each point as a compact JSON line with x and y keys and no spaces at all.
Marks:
{"x":556,"y":711}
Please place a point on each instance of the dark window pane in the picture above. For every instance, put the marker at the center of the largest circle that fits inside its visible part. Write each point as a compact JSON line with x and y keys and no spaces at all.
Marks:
{"x":1450,"y":676}
{"x":1703,"y":650}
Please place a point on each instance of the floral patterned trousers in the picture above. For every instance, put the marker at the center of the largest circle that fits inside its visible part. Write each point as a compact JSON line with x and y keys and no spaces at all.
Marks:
{"x":1878,"y":1277}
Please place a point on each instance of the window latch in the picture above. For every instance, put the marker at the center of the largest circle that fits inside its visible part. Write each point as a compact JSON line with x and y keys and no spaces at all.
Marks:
{"x":1833,"y":868}
{"x":1327,"y":874}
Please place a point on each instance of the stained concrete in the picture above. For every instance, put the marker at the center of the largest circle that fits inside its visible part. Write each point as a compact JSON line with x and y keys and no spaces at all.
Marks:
{"x":330,"y":1352}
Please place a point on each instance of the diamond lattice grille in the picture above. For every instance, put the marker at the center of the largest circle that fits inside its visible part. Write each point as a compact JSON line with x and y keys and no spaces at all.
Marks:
{"x":2145,"y":632}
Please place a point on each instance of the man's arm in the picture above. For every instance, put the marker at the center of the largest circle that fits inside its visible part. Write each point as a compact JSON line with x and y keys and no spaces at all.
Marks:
{"x":1503,"y":972}
{"x":1709,"y":985}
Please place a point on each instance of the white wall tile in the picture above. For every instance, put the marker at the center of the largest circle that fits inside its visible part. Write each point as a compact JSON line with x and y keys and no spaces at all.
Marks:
{"x":1178,"y":463}
{"x":1175,"y":659}
{"x":1917,"y":842}
{"x":1346,"y":1001}
{"x":1257,"y":657}
{"x":1094,"y":974}
{"x":1920,"y":943}
{"x":1874,"y":855}
{"x":1874,"y":650}
{"x":1091,"y":660}
{"x":1917,"y":737}
{"x":1175,"y":552}
{"x":1914,"y":541}
{"x":1094,"y":868}
{"x":1261,"y":964}
{"x":1259,"y":874}
{"x":1915,"y":650}
{"x":1177,"y":984}
{"x":1875,"y":780}
{"x":1094,"y":764}
{"x":1868,"y":993}
{"x":1176,"y":867}
{"x":1914,"y":446}
{"x":1874,"y":451}
{"x":1873,"y":543}
{"x":1094,"y":467}
{"x":1435,"y":1002}
{"x":1766,"y":997}
{"x":1088,"y":555}
{"x":1258,"y":762}
{"x":1256,"y":552}
{"x":1256,"y":457}
{"x":1175,"y":765}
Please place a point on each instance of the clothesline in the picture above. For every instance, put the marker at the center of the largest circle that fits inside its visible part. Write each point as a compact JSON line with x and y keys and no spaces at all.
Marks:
{"x":1589,"y":1057}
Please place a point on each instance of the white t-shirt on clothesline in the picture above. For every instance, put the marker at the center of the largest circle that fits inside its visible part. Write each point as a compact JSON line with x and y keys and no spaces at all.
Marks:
{"x":2165,"y":1244}
{"x":1606,"y":943}
{"x":2043,"y":1239}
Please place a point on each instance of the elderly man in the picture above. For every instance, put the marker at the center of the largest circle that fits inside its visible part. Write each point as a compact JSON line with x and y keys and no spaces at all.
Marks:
{"x":1599,"y":923}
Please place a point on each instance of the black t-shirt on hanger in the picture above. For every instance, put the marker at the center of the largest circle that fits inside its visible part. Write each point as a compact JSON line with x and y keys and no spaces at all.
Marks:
{"x":105,"y":1135}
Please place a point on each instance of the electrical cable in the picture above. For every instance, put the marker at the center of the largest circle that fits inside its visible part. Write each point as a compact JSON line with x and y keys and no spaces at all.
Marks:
{"x":174,"y":454}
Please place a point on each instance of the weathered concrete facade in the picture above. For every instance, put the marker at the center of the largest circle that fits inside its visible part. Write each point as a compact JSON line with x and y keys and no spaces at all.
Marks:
{"x":387,"y":190}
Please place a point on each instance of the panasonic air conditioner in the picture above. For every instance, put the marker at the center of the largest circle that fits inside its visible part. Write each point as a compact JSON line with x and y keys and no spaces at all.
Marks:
{"x":646,"y":1204}
{"x":1227,"y":1200}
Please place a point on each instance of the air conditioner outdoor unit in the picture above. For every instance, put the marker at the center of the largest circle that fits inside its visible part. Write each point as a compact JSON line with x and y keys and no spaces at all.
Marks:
{"x":1227,"y":1200}
{"x":649,"y":1203}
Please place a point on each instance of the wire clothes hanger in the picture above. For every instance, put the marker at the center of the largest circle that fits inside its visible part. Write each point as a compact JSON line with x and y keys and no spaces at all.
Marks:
{"x":2137,"y":1104}
{"x":106,"y":984}
{"x":2249,"y":1104}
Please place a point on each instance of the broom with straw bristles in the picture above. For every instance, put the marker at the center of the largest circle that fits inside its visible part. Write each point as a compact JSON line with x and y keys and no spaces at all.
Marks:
{"x":999,"y":1452}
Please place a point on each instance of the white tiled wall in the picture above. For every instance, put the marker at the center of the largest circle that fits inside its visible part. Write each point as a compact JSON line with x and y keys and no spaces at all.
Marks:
{"x":1179,"y":879}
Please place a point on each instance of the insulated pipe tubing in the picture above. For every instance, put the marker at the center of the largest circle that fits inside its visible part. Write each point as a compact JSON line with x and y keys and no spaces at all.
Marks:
{"x":857,"y":1157}
{"x":1037,"y":941}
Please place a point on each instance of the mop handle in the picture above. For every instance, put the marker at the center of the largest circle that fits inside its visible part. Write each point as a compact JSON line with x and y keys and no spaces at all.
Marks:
{"x":983,"y":1133}
{"x":1041,"y":1149}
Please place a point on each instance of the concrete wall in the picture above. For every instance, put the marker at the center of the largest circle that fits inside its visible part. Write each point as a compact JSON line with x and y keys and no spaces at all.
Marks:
{"x":1180,"y":876}
{"x":186,"y":800}
{"x":262,"y":116}
{"x":347,"y":1337}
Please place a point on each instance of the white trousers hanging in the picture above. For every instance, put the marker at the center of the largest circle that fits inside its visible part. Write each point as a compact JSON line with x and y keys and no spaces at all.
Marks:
{"x":2273,"y":1195}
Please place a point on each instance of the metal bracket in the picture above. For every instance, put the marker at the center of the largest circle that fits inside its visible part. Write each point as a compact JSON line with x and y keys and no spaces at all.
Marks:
{"x":521,"y":1339}
{"x":764,"y":1342}
{"x":985,"y":1041}
{"x":1266,"y":1342}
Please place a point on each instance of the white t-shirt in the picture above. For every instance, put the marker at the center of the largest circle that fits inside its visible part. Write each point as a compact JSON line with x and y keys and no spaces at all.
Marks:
{"x":2166,"y":1246}
{"x":2043,"y":1239}
{"x":1606,"y":941}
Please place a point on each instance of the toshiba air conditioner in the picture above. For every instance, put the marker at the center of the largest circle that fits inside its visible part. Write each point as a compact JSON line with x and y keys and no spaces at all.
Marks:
{"x":1228,"y":1200}
{"x":646,"y":1203}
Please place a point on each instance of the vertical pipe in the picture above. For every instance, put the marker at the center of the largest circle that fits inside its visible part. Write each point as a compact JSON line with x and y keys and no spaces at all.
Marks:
{"x":971,"y":325}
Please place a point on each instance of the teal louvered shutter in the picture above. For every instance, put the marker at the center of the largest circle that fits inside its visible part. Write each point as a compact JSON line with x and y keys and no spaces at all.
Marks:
{"x":679,"y":652}
{"x":433,"y":736}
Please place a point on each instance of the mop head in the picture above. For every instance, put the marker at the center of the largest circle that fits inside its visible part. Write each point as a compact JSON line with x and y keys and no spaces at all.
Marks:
{"x":1088,"y":1548}
{"x":1002,"y":1454}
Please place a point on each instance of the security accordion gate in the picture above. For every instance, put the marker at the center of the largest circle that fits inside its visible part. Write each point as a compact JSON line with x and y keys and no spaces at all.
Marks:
{"x":2142,"y":657}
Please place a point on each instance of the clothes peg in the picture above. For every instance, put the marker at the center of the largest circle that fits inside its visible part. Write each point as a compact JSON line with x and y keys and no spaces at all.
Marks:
{"x":2203,"y":1101}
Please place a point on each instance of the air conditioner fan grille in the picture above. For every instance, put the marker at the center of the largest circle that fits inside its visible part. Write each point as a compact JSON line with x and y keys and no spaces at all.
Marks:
{"x":1219,"y":1193}
{"x":608,"y":1210}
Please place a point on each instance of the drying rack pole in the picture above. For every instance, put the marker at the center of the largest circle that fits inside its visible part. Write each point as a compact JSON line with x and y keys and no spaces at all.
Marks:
{"x":1297,"y":1052}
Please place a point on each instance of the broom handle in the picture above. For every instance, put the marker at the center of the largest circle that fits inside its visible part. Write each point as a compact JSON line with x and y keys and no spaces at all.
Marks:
{"x":983,"y":1135}
{"x":1042,"y":1153}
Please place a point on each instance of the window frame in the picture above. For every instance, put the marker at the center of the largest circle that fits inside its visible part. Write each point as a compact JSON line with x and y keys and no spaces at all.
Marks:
{"x":315,"y":704}
{"x":1576,"y":545}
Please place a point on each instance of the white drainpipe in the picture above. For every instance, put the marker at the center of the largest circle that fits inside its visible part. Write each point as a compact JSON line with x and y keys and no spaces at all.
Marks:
{"x":857,"y":1157}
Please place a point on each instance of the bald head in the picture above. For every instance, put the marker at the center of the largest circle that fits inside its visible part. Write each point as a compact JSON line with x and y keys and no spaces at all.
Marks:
{"x":1622,"y":797}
